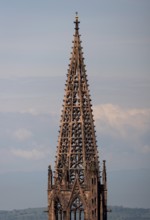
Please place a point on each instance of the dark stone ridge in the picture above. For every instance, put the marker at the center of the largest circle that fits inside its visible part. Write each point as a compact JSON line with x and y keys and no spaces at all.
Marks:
{"x":118,"y":213}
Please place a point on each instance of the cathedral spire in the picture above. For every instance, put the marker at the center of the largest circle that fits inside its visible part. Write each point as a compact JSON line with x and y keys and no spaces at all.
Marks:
{"x":77,"y":181}
{"x":77,"y":147}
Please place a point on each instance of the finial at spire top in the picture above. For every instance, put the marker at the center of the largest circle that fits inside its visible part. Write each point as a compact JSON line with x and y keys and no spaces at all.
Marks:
{"x":76,"y":15}
{"x":76,"y":22}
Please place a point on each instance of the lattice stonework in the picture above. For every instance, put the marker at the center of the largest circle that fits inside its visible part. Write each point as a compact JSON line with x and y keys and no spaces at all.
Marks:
{"x":77,"y":175}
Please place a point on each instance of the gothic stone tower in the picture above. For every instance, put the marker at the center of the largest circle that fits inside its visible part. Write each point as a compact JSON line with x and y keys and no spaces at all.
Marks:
{"x":77,"y":191}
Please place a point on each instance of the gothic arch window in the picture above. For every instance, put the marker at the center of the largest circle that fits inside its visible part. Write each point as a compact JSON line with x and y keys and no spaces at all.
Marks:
{"x":58,"y":210}
{"x":77,"y":210}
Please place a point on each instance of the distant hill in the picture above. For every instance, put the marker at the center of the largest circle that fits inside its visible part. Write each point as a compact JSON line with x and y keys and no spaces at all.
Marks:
{"x":24,"y":214}
{"x":117,"y":213}
{"x":121,"y":213}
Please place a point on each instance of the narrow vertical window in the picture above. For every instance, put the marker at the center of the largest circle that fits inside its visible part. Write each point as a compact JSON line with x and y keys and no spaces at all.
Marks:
{"x":58,"y":211}
{"x":77,"y":210}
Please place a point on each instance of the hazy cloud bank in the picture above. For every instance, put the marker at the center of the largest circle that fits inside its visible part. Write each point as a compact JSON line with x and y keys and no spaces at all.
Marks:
{"x":122,"y":134}
{"x":118,"y":121}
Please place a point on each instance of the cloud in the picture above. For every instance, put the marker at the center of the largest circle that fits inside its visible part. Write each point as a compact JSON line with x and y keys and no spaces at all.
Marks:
{"x":146,"y":149}
{"x":22,"y":134}
{"x":33,"y":154}
{"x":116,"y":121}
{"x":33,"y":111}
{"x":39,"y":112}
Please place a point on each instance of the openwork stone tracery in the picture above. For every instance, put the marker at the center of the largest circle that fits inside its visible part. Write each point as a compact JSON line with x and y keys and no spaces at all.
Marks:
{"x":76,"y":192}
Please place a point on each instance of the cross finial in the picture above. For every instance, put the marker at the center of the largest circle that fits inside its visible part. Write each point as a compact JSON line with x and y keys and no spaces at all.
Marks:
{"x":76,"y":14}
{"x":76,"y":22}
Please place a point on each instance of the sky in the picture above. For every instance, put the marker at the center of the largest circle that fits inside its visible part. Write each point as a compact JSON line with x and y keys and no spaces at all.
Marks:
{"x":35,"y":45}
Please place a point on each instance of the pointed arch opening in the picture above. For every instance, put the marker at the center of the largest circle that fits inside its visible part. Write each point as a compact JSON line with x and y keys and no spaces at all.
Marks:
{"x":77,"y":210}
{"x":58,"y":210}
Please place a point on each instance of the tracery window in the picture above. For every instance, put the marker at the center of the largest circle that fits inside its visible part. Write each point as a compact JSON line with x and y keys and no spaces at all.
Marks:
{"x":58,"y":211}
{"x":77,"y":210}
